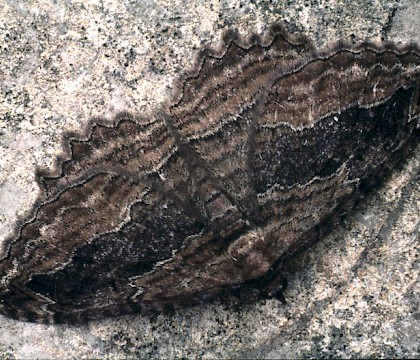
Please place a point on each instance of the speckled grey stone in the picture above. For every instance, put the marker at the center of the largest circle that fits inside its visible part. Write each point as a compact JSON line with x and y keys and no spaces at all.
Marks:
{"x":354,"y":294}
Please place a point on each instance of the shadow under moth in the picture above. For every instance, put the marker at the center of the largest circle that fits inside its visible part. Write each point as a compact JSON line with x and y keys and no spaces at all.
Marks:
{"x":267,"y":141}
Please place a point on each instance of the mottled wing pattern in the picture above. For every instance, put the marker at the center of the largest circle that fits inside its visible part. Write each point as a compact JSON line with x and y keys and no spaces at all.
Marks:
{"x":266,"y":142}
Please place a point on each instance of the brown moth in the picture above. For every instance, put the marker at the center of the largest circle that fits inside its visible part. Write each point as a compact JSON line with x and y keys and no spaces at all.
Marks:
{"x":266,"y":143}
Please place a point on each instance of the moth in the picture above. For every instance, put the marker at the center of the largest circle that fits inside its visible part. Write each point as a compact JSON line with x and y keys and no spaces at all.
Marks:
{"x":264,"y":145}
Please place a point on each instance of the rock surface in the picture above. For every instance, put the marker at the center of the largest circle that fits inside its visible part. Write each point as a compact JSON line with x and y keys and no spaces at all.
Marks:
{"x":354,"y":294}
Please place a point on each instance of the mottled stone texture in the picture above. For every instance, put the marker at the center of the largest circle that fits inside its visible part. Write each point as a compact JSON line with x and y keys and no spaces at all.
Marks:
{"x":353,"y":294}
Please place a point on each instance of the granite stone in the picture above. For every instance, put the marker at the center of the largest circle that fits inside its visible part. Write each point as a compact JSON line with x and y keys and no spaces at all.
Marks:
{"x":353,"y":294}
